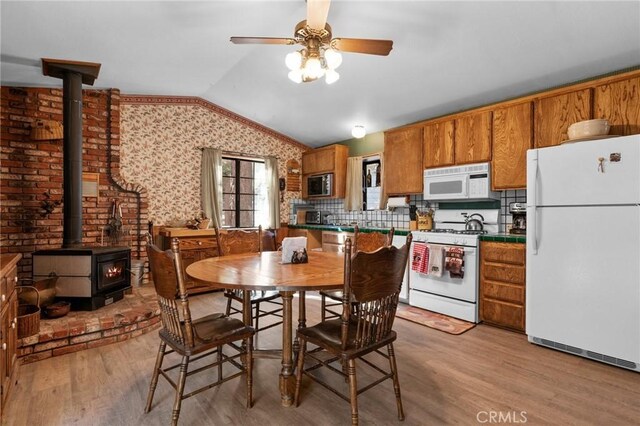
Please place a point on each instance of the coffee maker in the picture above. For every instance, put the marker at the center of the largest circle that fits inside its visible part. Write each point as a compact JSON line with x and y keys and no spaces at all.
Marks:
{"x":519,"y":218}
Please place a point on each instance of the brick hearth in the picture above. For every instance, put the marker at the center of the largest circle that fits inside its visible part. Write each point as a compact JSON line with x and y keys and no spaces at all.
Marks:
{"x":136,"y":314}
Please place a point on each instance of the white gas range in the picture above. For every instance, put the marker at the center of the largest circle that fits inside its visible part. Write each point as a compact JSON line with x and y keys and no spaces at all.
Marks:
{"x":456,"y":297}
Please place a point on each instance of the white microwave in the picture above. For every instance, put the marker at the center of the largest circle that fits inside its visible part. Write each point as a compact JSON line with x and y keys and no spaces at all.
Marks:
{"x":320,"y":185}
{"x":470,"y":182}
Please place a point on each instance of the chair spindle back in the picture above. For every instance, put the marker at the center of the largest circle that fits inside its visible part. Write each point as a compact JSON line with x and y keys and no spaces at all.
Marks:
{"x":371,"y":291}
{"x":169,"y":283}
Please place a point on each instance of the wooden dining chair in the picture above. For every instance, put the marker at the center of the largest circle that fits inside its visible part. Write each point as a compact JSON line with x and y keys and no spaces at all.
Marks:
{"x":372,"y":282}
{"x":363,"y":241}
{"x":193,"y":339}
{"x":239,"y":241}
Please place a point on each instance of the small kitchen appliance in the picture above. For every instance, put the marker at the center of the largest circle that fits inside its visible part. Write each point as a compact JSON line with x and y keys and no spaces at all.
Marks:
{"x":518,"y":218}
{"x":316,"y":217}
{"x":320,"y":185}
{"x":469,"y":182}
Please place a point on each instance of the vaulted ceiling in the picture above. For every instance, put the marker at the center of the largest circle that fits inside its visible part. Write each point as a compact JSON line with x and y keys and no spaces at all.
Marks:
{"x":447,"y":56}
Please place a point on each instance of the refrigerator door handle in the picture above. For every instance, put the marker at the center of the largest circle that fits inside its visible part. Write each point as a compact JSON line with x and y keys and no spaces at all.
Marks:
{"x":533,"y":221}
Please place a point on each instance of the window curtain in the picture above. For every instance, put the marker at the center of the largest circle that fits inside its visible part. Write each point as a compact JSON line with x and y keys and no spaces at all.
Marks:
{"x":383,"y":194}
{"x":273,"y":192}
{"x":353,"y":197}
{"x":211,"y":185}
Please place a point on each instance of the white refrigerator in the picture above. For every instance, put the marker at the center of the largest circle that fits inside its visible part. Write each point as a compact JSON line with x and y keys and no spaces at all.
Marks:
{"x":583,"y":249}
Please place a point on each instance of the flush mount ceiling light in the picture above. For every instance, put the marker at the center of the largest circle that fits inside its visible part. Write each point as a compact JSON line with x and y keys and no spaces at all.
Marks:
{"x":320,"y":55}
{"x":358,"y":132}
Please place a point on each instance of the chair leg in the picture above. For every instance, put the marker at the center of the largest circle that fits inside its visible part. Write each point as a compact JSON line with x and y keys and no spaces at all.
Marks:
{"x":353,"y":392}
{"x":323,"y":306}
{"x":300,"y":368}
{"x":396,"y":381}
{"x":257,"y":316}
{"x":219,"y":362}
{"x":228,"y":311}
{"x":249,"y":366}
{"x":184,"y":366}
{"x":154,"y":377}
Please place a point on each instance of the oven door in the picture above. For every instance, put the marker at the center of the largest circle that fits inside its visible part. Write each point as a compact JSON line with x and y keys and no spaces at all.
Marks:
{"x":448,"y":187}
{"x":457,"y":288}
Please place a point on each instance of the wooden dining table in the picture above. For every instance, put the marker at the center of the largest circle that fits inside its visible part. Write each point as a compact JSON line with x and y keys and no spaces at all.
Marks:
{"x":265,"y":271}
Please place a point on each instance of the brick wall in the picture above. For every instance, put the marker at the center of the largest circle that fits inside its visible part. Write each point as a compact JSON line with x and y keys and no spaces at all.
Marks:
{"x":30,"y":168}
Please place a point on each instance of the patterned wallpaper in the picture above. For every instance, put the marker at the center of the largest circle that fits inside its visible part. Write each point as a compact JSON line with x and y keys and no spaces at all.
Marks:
{"x":160,"y":137}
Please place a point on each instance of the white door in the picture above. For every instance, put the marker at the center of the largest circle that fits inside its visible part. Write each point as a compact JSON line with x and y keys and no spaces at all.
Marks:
{"x":583,"y":281}
{"x":571,"y":174}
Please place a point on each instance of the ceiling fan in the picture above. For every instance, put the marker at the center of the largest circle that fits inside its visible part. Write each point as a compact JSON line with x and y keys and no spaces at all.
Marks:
{"x":320,"y":53}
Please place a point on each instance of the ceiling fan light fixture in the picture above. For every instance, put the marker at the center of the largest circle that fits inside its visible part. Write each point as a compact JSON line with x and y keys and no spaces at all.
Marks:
{"x":331,"y":76}
{"x":295,"y":76}
{"x":293,"y":60}
{"x":333,"y":58}
{"x":312,"y":69}
{"x":358,"y":132}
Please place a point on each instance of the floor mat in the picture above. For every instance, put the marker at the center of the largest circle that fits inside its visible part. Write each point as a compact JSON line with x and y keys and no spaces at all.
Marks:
{"x":433,"y":320}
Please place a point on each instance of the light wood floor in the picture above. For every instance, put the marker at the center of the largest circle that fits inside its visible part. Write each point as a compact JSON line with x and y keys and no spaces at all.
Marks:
{"x":445,"y":379}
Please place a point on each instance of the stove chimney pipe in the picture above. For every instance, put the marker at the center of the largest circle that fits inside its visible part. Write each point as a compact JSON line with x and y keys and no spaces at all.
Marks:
{"x":73,"y":75}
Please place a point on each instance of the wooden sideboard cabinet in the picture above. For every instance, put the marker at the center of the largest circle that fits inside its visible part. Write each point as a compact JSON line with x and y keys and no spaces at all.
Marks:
{"x":195,"y":244}
{"x":8,"y":325}
{"x":502,"y":284}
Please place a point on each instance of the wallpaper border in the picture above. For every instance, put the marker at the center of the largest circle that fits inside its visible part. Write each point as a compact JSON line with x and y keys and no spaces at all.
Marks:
{"x":194,"y":100}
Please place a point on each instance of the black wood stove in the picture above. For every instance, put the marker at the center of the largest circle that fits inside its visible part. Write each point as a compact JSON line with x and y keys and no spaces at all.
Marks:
{"x":88,"y":277}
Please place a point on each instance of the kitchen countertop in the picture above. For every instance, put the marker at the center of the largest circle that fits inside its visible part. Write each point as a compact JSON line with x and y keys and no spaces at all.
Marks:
{"x":349,"y":228}
{"x":504,"y":237}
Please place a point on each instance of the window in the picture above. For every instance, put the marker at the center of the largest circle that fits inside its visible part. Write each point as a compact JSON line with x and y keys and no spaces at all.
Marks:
{"x":371,"y":183}
{"x":244,"y":193}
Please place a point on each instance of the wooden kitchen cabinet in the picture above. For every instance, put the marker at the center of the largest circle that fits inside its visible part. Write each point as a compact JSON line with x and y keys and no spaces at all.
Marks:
{"x":472,"y":138}
{"x":512,"y":137}
{"x":438,"y":144}
{"x":8,"y":325}
{"x":402,"y":165}
{"x":195,"y":244}
{"x":554,"y":115}
{"x":329,"y":159}
{"x":619,"y":102}
{"x":502,"y":284}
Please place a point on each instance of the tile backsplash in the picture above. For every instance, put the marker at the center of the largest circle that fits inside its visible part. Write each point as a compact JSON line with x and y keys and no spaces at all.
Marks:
{"x":399,"y":218}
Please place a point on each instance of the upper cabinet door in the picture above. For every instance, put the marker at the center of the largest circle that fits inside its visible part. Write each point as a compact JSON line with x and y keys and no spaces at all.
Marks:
{"x":438,"y":144}
{"x":473,"y":138}
{"x":619,"y":103}
{"x":402,"y":166}
{"x":512,"y":137}
{"x":554,"y":115}
{"x":319,"y":160}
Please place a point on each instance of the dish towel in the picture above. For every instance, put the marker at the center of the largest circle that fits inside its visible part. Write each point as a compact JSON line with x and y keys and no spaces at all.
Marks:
{"x":436,"y":260}
{"x":454,"y":262}
{"x":420,"y":258}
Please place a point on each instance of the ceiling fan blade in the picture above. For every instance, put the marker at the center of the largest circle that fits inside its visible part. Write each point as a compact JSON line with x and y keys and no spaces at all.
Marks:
{"x":362,"y":45}
{"x":317,"y":11}
{"x":262,"y":40}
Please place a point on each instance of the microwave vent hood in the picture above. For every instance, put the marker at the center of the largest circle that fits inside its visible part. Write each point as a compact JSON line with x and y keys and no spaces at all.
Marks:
{"x":470,"y":182}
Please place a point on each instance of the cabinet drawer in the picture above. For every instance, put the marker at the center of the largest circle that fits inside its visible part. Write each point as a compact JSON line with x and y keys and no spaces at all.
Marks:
{"x":197,"y":243}
{"x":504,"y":273}
{"x":335,"y":237}
{"x":513,"y":253}
{"x":506,"y":293}
{"x":503,"y":314}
